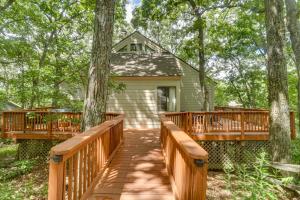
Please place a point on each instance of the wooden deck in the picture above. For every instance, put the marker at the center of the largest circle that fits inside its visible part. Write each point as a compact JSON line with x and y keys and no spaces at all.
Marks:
{"x":107,"y":163}
{"x":137,"y":171}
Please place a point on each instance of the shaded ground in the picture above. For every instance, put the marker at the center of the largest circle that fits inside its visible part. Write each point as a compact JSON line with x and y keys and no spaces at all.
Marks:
{"x":218,"y":189}
{"x":26,"y":179}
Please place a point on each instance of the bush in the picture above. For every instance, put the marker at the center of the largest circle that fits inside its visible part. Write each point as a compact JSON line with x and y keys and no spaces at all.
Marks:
{"x":18,"y":168}
{"x":8,"y":151}
{"x":296,"y":151}
{"x":252,"y":182}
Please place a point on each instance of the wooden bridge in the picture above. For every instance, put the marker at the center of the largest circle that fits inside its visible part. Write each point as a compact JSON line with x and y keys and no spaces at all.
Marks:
{"x":103,"y":163}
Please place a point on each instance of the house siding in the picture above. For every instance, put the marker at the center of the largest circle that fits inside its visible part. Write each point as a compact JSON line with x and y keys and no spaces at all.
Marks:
{"x":139,"y":102}
{"x":191,"y":97}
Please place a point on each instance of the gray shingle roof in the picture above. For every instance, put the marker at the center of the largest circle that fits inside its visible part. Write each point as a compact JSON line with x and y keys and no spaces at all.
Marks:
{"x":129,"y":64}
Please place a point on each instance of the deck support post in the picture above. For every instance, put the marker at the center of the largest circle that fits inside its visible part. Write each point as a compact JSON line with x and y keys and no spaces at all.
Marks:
{"x":56,"y":180}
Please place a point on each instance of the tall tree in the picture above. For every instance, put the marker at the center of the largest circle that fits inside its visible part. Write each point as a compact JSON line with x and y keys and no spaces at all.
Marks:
{"x":97,"y":89}
{"x":277,"y":82}
{"x":175,"y":9}
{"x":293,"y":24}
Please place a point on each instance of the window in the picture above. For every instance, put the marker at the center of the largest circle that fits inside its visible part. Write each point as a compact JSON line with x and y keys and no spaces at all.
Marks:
{"x":136,"y":47}
{"x":166,"y":98}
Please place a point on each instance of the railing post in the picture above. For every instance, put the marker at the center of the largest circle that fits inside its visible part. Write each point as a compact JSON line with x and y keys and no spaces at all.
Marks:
{"x":190,"y":128}
{"x":56,"y":178}
{"x":3,"y":122}
{"x":205,"y":124}
{"x":49,"y":123}
{"x":200,"y":180}
{"x":292,"y":125}
{"x":242,"y":124}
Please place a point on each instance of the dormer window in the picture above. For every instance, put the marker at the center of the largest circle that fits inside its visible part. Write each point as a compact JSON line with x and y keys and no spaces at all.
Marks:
{"x":136,"y":47}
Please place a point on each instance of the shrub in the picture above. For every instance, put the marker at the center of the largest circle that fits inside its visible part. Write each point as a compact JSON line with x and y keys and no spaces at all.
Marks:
{"x":18,"y":168}
{"x":296,"y":151}
{"x":252,"y":182}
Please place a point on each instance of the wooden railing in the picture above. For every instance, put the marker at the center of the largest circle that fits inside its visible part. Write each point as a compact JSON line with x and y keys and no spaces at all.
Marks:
{"x":218,"y":122}
{"x":77,"y":164}
{"x":43,"y":121}
{"x":186,"y":161}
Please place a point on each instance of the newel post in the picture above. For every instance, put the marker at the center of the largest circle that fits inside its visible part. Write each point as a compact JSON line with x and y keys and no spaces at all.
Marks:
{"x":56,"y":178}
{"x":200,"y":179}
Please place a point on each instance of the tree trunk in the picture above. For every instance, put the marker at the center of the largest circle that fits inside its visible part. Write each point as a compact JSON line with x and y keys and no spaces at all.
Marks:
{"x":293,"y":24}
{"x":277,"y":82}
{"x":97,"y":89}
{"x":57,"y":81}
{"x":201,"y":53}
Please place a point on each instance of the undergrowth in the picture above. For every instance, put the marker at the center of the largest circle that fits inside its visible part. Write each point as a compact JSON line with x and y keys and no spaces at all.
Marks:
{"x":253,"y":183}
{"x":296,"y":151}
{"x":23,"y":179}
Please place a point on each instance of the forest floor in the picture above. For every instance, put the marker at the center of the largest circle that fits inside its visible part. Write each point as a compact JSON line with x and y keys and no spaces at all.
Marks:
{"x":28,"y":179}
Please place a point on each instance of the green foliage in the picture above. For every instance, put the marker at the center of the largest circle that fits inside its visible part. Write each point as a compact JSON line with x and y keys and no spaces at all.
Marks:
{"x":7,"y":150}
{"x":45,"y":51}
{"x":296,"y":151}
{"x":252,"y":182}
{"x":25,"y":179}
{"x":16,"y":169}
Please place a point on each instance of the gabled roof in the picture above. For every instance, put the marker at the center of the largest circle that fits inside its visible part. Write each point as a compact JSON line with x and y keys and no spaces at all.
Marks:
{"x":130,"y":64}
{"x":136,"y":35}
{"x":139,"y":62}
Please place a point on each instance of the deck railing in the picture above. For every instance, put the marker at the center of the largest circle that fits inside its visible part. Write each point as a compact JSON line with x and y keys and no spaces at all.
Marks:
{"x":77,"y":164}
{"x":251,"y":124}
{"x":43,"y":121}
{"x":186,"y":161}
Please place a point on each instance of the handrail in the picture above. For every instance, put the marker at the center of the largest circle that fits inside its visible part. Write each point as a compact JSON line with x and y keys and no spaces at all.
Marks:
{"x":243,"y":122}
{"x":78,"y":163}
{"x":76,"y":142}
{"x":43,"y":121}
{"x":186,"y":161}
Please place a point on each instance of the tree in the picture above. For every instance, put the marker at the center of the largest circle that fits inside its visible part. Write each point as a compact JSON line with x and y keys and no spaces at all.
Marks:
{"x":174,"y":10}
{"x":293,"y":24}
{"x":6,"y":5}
{"x":97,"y":88}
{"x":277,"y":82}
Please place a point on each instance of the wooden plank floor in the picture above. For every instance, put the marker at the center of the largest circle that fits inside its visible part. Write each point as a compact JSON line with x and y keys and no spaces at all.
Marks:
{"x":137,"y":172}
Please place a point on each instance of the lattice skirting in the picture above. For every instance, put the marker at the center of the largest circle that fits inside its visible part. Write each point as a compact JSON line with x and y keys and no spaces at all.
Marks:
{"x":222,"y":154}
{"x":29,"y":149}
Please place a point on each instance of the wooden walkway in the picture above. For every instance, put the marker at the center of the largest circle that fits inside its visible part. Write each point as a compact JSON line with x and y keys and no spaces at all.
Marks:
{"x":137,"y":171}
